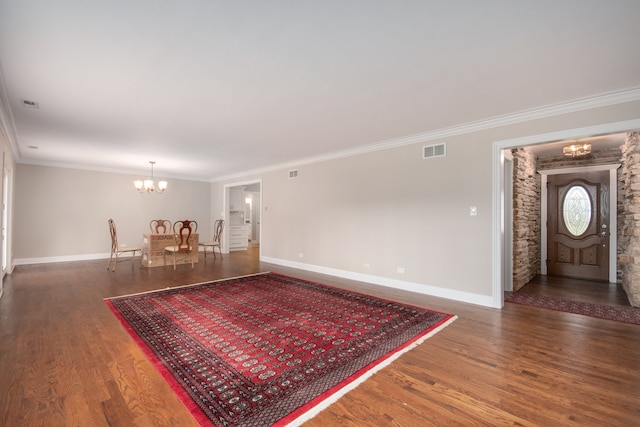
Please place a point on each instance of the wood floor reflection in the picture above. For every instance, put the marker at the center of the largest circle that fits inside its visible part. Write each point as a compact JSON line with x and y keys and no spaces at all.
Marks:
{"x":578,"y":290}
{"x":65,"y":360}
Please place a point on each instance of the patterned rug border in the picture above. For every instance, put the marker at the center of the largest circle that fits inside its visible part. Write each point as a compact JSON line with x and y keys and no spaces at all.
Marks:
{"x":315,"y":406}
{"x":614,"y":313}
{"x":173,"y":384}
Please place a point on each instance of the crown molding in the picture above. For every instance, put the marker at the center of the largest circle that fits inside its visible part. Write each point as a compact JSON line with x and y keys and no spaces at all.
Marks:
{"x":602,"y":100}
{"x":109,"y":170}
{"x":7,"y":126}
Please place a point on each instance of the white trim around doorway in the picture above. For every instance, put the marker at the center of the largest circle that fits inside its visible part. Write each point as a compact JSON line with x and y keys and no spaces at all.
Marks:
{"x":497,"y":243}
{"x":225,"y":209}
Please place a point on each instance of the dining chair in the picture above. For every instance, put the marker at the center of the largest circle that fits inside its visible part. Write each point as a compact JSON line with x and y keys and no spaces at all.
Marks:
{"x":160,"y":226}
{"x":116,"y":250}
{"x":218,"y":226}
{"x":182,"y":235}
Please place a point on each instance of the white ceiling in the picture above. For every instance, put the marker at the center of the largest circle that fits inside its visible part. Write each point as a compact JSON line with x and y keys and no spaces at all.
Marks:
{"x":210,"y":88}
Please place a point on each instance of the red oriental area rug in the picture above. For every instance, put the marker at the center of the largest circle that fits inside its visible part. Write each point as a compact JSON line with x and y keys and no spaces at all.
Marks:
{"x":269,"y":349}
{"x":602,"y":311}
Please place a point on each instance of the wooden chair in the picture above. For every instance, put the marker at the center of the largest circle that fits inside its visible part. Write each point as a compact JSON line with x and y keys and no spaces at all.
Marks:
{"x":218,"y":226}
{"x":182,"y":232}
{"x":116,"y":250}
{"x":160,"y":226}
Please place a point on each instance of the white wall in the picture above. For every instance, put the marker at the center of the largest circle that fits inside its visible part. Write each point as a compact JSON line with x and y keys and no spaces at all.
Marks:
{"x":387,"y":208}
{"x":391,"y":209}
{"x":62,"y":213}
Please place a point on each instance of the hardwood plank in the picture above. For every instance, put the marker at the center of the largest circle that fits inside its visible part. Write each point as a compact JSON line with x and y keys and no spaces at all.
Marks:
{"x":66,"y":360}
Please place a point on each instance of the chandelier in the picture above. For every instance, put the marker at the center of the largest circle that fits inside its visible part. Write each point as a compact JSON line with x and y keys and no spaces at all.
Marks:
{"x":576,"y":150}
{"x":148,"y":185}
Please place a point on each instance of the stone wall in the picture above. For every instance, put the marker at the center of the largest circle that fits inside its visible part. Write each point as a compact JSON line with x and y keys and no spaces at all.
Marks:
{"x":602,"y":157}
{"x":526,"y":218}
{"x":629,"y":217}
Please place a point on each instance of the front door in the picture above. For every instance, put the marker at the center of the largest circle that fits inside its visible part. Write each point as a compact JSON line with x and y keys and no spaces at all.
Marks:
{"x":578,"y":225}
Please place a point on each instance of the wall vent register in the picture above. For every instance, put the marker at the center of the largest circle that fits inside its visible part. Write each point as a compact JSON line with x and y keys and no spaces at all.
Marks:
{"x":30,"y":104}
{"x":436,"y":150}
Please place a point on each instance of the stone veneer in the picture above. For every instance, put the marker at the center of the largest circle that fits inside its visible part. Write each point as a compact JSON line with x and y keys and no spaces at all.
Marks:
{"x":629,"y":218}
{"x":526,"y":218}
{"x":602,"y":157}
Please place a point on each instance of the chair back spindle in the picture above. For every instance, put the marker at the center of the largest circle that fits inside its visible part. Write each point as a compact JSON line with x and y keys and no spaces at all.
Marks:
{"x":182,"y":231}
{"x":217,"y":230}
{"x":160,"y":226}
{"x":114,"y":235}
{"x":182,"y":236}
{"x":116,"y":251}
{"x":218,"y":226}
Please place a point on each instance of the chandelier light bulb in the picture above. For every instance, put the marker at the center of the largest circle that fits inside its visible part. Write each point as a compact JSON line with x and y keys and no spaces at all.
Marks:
{"x":576,"y":150}
{"x":148,"y":185}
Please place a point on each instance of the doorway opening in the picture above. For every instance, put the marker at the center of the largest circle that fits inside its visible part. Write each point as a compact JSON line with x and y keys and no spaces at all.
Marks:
{"x":579,"y":222}
{"x":242,"y":207}
{"x":502,"y":199}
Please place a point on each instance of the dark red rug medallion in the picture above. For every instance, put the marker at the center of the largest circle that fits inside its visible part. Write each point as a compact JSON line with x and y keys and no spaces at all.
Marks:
{"x":268,"y":349}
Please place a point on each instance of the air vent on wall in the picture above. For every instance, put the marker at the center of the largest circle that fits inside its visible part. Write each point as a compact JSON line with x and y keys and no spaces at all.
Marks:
{"x":436,"y":150}
{"x":30,"y":104}
{"x":293,"y":173}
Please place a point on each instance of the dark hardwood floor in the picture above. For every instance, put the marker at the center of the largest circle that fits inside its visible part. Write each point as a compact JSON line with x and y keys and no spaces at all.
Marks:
{"x":578,"y":290}
{"x":65,"y":360}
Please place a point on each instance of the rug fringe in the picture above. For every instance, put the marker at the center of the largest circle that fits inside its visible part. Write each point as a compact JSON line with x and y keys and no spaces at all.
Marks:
{"x":311,"y":413}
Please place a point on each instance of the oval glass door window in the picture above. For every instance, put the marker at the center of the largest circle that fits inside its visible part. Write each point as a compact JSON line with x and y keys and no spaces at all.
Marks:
{"x":576,"y":210}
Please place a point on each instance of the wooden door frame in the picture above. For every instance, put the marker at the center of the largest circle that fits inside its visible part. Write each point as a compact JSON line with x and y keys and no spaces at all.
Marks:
{"x":613,"y":214}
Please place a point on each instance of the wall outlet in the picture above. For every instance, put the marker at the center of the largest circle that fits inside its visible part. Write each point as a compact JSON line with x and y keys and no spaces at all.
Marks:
{"x":400,"y":270}
{"x":366,"y":265}
{"x":300,"y":254}
{"x":473,"y":210}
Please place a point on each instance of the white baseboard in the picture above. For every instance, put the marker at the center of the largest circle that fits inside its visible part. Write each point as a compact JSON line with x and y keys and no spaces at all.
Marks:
{"x":67,"y":258}
{"x":435,"y":291}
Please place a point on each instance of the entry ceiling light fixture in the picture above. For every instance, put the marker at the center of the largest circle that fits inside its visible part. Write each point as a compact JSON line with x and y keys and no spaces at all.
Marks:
{"x":148,"y":185}
{"x":576,"y":150}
